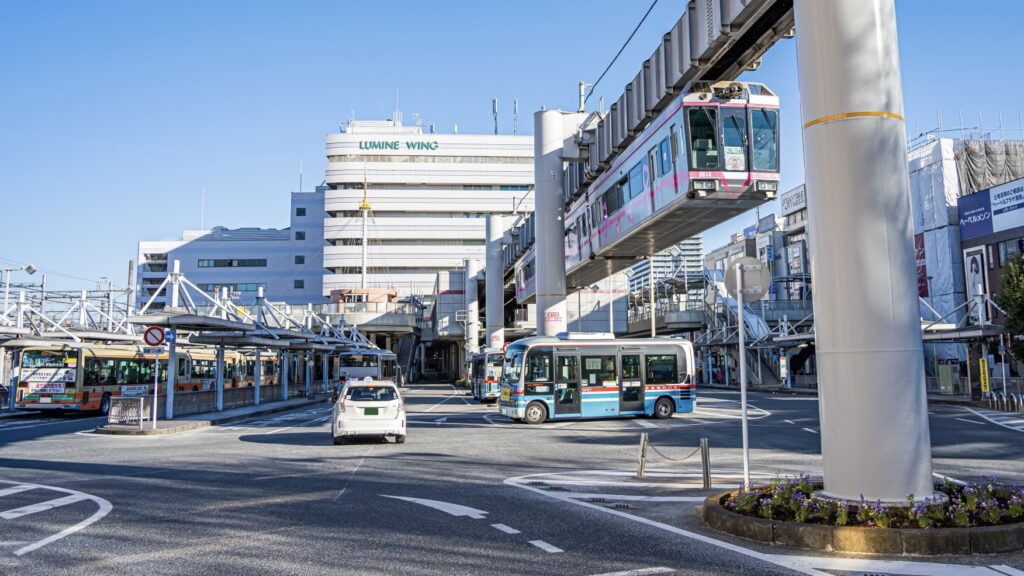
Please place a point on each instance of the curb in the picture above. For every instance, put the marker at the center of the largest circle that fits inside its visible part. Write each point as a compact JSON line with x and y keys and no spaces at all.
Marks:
{"x":188,"y":425}
{"x":862,"y":540}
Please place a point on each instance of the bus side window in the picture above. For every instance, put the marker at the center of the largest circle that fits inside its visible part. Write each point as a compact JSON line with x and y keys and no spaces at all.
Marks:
{"x":661,"y":369}
{"x":538,"y":371}
{"x":599,"y":371}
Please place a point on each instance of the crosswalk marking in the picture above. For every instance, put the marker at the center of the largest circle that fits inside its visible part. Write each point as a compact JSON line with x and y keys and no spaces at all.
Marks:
{"x":1010,"y":420}
{"x":546,"y":547}
{"x":48,"y":505}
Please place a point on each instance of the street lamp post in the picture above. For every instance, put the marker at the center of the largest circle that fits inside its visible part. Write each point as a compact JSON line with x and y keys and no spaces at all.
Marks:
{"x":7,"y":282}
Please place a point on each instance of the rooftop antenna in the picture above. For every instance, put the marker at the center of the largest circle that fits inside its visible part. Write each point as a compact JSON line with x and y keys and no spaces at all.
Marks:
{"x":202,"y":210}
{"x":494,"y":110}
{"x":1001,"y":135}
{"x":600,"y":104}
{"x":515,"y":116}
{"x":300,"y":176}
{"x":961,"y":113}
{"x":398,"y":114}
{"x":432,"y":128}
{"x":981,"y":125}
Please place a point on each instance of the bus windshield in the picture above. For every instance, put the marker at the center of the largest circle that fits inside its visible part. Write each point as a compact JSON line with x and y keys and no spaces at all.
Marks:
{"x":513,"y":365}
{"x":494,"y":360}
{"x":50,"y":359}
{"x":763,"y":123}
{"x":359,"y":361}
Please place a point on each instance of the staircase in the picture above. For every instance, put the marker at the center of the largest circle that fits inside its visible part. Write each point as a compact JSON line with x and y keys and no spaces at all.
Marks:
{"x":722,"y":312}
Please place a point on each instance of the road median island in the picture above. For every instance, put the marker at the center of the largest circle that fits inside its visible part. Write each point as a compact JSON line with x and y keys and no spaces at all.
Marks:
{"x":993,"y":539}
{"x":196,"y":421}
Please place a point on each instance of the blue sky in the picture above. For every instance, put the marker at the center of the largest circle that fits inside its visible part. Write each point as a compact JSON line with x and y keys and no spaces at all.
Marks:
{"x":114,"y":115}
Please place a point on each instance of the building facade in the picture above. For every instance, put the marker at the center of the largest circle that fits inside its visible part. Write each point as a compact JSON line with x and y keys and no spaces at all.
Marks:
{"x":429,"y":195}
{"x":686,"y":257}
{"x":286,"y":263}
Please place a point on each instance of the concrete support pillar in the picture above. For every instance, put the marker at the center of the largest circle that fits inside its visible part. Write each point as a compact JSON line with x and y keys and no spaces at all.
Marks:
{"x":257,"y":373}
{"x":494,"y":282}
{"x":551,"y":128}
{"x":220,"y":378}
{"x":172,"y":375}
{"x":285,"y":361}
{"x":472,"y":268}
{"x":874,"y":420}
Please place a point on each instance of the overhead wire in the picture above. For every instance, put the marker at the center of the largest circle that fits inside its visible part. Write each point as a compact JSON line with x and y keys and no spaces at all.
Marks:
{"x":619,"y":53}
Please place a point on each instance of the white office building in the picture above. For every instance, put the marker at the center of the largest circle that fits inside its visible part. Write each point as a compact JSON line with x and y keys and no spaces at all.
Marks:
{"x":287,"y":263}
{"x":686,"y":257}
{"x":429,"y":195}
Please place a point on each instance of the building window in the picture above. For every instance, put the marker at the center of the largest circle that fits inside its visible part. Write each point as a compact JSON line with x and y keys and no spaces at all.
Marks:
{"x":300,"y":235}
{"x":300,"y":259}
{"x":300,"y":284}
{"x":300,"y":211}
{"x":233,"y":263}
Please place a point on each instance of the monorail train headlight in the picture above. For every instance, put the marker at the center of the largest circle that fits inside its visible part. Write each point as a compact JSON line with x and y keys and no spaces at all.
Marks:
{"x":769,"y":187}
{"x":705,"y":185}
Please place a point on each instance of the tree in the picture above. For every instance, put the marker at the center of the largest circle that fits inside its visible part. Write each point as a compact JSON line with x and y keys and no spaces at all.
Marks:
{"x":1011,"y":299}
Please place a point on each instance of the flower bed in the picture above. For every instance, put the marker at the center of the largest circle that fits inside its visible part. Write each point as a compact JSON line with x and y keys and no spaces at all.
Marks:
{"x":960,"y":506}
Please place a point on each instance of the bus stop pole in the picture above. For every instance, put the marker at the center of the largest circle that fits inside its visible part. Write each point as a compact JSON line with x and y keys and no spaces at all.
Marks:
{"x":156,"y":387}
{"x":743,"y":376}
{"x":220,"y":379}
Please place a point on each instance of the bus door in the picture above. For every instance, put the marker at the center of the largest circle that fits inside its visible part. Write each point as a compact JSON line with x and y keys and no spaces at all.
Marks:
{"x":567,"y":384}
{"x":631,"y":392}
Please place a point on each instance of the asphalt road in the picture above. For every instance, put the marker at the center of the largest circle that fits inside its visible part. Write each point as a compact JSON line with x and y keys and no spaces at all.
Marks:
{"x":468,"y":493}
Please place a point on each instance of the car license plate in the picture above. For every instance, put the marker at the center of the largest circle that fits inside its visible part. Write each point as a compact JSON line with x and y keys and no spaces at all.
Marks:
{"x":44,"y":400}
{"x":369,"y":411}
{"x":504,"y":394}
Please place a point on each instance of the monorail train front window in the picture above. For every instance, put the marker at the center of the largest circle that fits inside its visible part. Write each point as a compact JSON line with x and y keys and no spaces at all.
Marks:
{"x":703,"y":137}
{"x":734,"y":139}
{"x":763,"y":126}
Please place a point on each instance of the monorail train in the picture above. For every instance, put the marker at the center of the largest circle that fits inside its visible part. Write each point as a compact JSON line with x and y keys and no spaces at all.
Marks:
{"x":712,"y":154}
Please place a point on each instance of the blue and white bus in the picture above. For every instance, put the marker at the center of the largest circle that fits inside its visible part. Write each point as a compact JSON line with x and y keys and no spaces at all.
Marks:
{"x":594,"y":376}
{"x":486,"y":369}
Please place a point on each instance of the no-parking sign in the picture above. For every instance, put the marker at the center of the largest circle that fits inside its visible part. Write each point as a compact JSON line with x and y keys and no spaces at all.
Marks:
{"x":154,"y":336}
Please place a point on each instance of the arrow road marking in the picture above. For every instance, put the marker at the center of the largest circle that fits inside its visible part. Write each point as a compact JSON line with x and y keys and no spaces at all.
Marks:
{"x":440,"y":421}
{"x":446,"y":507}
{"x":72,"y":497}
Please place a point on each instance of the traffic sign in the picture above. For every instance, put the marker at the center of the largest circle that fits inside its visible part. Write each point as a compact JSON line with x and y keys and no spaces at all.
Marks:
{"x":153,"y":349}
{"x":154,"y":336}
{"x":756,"y":279}
{"x":171,"y":336}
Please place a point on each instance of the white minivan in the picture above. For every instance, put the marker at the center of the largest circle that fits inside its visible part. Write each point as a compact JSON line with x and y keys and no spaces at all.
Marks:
{"x":369,"y":408}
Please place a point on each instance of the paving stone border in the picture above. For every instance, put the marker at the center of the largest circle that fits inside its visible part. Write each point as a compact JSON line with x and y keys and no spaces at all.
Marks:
{"x":862,"y":540}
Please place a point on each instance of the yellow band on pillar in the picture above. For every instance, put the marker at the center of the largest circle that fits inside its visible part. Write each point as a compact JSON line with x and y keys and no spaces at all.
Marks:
{"x":847,"y":115}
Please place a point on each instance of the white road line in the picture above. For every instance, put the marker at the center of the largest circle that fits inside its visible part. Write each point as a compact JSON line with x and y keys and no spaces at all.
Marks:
{"x":788,"y":421}
{"x":949,"y":478}
{"x":970,"y":421}
{"x":637,"y":498}
{"x":52,"y":423}
{"x":16,"y":489}
{"x":546,"y":547}
{"x":505,"y":529}
{"x":811,"y":430}
{"x":1009,"y":571}
{"x":639,"y":572}
{"x":645,"y":423}
{"x":104,"y":508}
{"x":42,"y":506}
{"x":440,"y":421}
{"x":313,"y":421}
{"x":446,"y":507}
{"x":992,"y":420}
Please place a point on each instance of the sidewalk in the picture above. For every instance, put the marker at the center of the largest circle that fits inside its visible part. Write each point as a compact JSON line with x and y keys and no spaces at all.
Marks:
{"x":206,"y":419}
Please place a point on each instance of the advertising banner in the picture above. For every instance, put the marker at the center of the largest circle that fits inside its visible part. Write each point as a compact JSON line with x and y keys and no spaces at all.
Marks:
{"x":997,"y":209}
{"x":983,"y":367}
{"x":975,"y":214}
{"x":766,"y":223}
{"x":974,"y":277}
{"x":922,"y":265}
{"x":48,"y":380}
{"x":793,"y":200}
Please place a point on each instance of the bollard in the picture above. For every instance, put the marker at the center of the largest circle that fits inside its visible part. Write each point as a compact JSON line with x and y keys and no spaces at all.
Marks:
{"x":705,"y":462}
{"x":642,"y":464}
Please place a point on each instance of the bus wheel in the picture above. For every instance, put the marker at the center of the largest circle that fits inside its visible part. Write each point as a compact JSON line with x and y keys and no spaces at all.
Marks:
{"x":663,"y":408}
{"x":536,"y":413}
{"x":105,"y":404}
{"x":195,"y":388}
{"x":339,"y":440}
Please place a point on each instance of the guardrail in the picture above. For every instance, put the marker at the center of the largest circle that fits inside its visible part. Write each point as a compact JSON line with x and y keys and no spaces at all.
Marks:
{"x":127,"y":411}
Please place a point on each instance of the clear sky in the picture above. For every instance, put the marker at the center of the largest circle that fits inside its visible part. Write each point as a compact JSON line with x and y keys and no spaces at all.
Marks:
{"x":114,"y":115}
